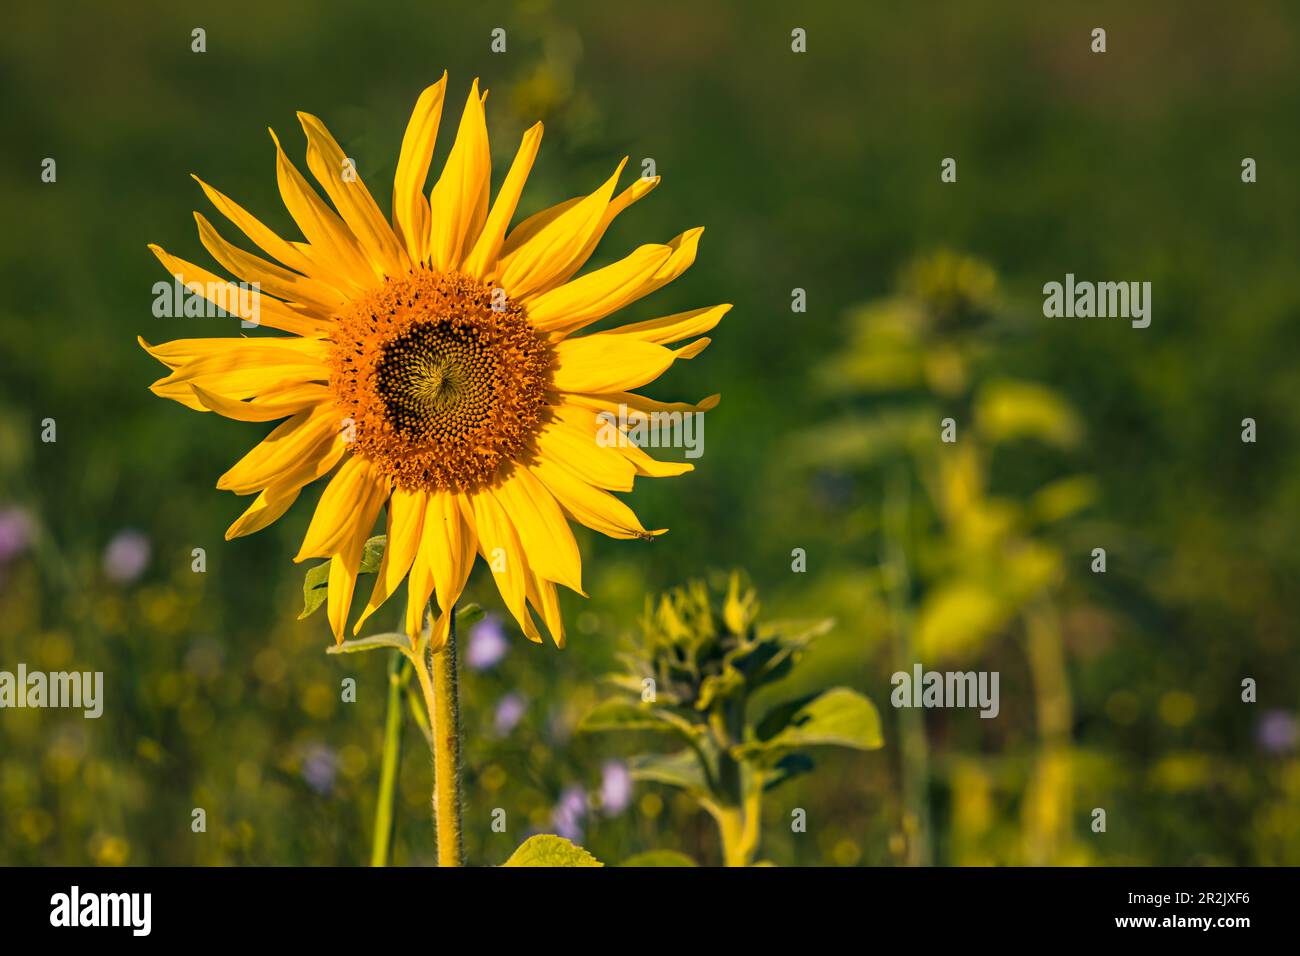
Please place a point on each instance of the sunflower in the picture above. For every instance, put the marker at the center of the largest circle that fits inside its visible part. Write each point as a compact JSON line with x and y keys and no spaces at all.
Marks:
{"x":432,"y":368}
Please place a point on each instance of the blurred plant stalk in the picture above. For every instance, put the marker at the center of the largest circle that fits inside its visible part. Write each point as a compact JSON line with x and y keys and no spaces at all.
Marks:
{"x":965,"y":572}
{"x":913,"y":746}
{"x":399,"y":676}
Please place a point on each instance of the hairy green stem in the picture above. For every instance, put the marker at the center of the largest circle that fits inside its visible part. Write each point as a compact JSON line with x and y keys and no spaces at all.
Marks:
{"x":438,"y":681}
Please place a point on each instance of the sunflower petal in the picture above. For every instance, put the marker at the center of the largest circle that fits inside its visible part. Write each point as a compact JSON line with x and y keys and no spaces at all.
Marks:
{"x":452,"y":558}
{"x":410,"y":208}
{"x":499,"y":545}
{"x":674,"y":328}
{"x":608,"y":363}
{"x":345,"y":564}
{"x":642,"y":187}
{"x":595,"y":295}
{"x":459,"y":201}
{"x":299,"y":439}
{"x":327,"y":162}
{"x":327,"y":234}
{"x":405,"y":523}
{"x":226,"y":296}
{"x":266,"y":508}
{"x":542,"y":595}
{"x":528,"y":266}
{"x":576,"y":435}
{"x":355,"y":492}
{"x":544,"y":535}
{"x":590,"y":506}
{"x":274,"y":279}
{"x":483,"y":257}
{"x":286,"y":404}
{"x":261,"y":235}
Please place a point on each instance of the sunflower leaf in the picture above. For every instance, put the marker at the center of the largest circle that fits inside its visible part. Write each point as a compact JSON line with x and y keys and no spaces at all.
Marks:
{"x":315,"y":587}
{"x":374,"y":642}
{"x":547,"y":849}
{"x":659,"y":858}
{"x":372,"y":554}
{"x":468,"y":616}
{"x":839,"y":717}
{"x":315,"y":583}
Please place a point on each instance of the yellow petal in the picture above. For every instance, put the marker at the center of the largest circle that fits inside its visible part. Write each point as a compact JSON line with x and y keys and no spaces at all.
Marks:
{"x":674,"y":328}
{"x":237,"y":373}
{"x":299,"y":439}
{"x":327,"y":162}
{"x":458,"y":203}
{"x":331,"y":241}
{"x":483,"y":258}
{"x":610,"y":403}
{"x":271,"y":278}
{"x":410,"y":208}
{"x":575,"y":435}
{"x":178,"y":352}
{"x":224,"y":294}
{"x":259,"y":410}
{"x":405,"y":523}
{"x":598,"y":294}
{"x":608,"y":363}
{"x":590,"y":506}
{"x":298,"y":359}
{"x":262,"y":236}
{"x":452,"y":552}
{"x":627,"y":197}
{"x":613,"y":404}
{"x":344,"y":564}
{"x":355,"y":491}
{"x":544,"y":535}
{"x":499,"y":545}
{"x":591,"y":297}
{"x":266,"y":508}
{"x":529,"y":228}
{"x":527,"y":266}
{"x":419,"y":583}
{"x":542,"y":595}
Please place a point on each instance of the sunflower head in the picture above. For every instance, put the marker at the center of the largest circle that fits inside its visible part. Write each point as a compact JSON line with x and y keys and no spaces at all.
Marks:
{"x":444,"y":391}
{"x":437,"y":365}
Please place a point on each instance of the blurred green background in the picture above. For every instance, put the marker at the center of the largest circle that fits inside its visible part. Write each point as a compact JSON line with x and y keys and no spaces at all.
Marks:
{"x":817,"y":171}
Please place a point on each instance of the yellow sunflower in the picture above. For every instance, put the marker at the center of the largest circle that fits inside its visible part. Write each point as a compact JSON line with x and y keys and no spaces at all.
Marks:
{"x":433,"y":365}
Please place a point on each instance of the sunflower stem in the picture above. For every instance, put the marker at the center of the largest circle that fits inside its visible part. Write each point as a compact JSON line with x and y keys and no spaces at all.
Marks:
{"x":441,"y":700}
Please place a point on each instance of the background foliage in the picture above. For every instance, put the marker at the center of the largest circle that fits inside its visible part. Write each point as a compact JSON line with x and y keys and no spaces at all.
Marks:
{"x":817,"y":171}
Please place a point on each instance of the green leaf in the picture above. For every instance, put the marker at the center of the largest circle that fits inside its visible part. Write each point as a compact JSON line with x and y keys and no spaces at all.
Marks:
{"x":372,"y":554}
{"x":315,"y":583}
{"x":374,"y":642}
{"x":547,"y":849}
{"x":681,"y":770}
{"x":468,"y":616}
{"x":659,"y":858}
{"x":789,"y":766}
{"x":839,"y":717}
{"x":624,"y":715}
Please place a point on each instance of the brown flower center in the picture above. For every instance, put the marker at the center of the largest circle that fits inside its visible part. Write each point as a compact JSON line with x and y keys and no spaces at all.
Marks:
{"x":445,"y":386}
